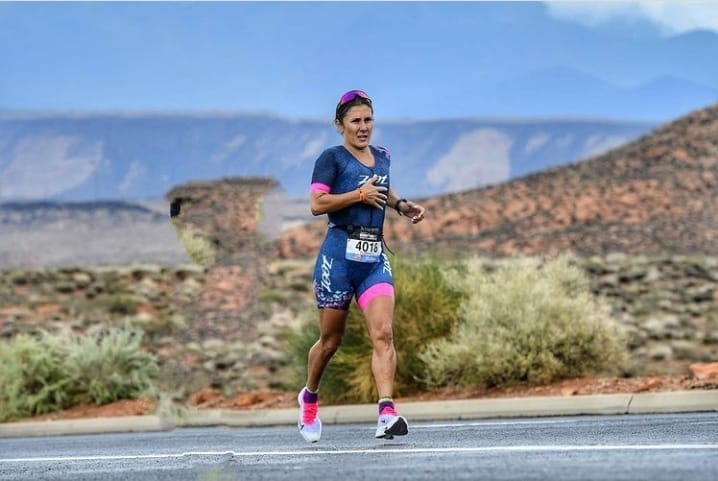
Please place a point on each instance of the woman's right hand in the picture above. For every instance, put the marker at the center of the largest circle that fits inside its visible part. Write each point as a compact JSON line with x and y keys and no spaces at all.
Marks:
{"x":374,"y":195}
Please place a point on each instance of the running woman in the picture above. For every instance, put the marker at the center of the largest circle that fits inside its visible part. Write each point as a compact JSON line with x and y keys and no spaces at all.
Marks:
{"x":350,"y":184}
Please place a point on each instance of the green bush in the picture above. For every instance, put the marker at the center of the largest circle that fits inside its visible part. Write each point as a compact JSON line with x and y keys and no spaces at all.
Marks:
{"x":426,"y":309}
{"x":32,"y":377}
{"x":110,"y":367}
{"x":526,"y":322}
{"x":51,"y":372}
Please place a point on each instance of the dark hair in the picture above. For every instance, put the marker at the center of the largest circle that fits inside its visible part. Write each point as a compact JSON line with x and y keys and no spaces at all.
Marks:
{"x":342,"y":109}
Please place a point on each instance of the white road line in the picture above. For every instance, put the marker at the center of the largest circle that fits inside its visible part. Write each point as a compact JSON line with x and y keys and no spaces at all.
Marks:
{"x":573,"y":422}
{"x":316,"y":452}
{"x":491,"y":423}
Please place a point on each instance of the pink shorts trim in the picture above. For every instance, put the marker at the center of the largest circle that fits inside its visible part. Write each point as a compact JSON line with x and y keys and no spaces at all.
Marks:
{"x":319,"y":187}
{"x":381,"y":289}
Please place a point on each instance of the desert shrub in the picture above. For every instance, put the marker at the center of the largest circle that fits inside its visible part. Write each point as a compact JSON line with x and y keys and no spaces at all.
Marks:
{"x":50,"y":372}
{"x":110,"y":366}
{"x":528,"y":322}
{"x":32,"y":377}
{"x":120,"y":304}
{"x":426,"y":309}
{"x":201,"y":249}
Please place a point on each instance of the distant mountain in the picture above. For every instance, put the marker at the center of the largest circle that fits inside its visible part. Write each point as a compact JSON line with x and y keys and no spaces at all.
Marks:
{"x":562,"y":91}
{"x":657,"y":195}
{"x":51,"y":234}
{"x":130,"y":156}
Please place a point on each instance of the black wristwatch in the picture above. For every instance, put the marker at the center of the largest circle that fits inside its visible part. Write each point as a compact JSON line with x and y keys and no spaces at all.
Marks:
{"x":397,"y":205}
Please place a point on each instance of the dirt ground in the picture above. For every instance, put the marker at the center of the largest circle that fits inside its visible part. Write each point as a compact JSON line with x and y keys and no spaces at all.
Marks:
{"x":264,"y":399}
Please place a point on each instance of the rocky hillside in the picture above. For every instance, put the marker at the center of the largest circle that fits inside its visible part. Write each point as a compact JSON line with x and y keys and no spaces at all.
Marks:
{"x":657,"y":195}
{"x":231,"y":212}
{"x":234,"y":218}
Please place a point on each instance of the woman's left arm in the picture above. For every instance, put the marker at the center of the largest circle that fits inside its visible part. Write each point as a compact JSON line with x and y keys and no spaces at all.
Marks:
{"x":406,"y":207}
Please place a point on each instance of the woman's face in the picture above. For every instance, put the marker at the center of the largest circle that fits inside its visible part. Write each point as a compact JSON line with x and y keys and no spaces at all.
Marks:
{"x":356,"y":126}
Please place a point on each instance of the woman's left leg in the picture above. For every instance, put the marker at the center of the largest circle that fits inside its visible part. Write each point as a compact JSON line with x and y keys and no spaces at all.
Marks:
{"x":379,"y":316}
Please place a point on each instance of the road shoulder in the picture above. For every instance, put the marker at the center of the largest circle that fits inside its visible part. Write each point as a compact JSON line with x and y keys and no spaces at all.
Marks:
{"x":445,"y":410}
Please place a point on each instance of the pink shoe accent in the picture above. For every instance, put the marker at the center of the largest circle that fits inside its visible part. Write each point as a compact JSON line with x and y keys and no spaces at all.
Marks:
{"x":309,"y":412}
{"x":388,"y":411}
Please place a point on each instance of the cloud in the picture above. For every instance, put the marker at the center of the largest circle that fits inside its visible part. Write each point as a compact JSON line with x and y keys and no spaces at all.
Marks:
{"x":671,"y":17}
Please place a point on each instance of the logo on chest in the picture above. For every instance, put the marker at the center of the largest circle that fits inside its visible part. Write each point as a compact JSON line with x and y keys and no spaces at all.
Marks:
{"x":381,"y":179}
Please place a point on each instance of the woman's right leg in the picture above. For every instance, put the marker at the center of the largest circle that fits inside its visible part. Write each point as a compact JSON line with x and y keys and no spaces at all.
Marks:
{"x":332,"y":323}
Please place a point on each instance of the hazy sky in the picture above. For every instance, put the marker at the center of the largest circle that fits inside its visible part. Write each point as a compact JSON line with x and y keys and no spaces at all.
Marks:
{"x":416,"y":59}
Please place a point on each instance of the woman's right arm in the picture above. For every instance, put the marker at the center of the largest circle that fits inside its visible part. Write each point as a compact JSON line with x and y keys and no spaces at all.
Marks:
{"x":323,"y":202}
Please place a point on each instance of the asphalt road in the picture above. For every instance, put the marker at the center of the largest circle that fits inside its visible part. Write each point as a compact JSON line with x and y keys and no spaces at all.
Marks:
{"x":625,"y":447}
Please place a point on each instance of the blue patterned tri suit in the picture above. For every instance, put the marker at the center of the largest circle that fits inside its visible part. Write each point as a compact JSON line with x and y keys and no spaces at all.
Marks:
{"x":336,"y":278}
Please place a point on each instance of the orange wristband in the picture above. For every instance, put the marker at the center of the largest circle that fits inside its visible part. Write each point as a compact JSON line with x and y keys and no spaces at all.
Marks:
{"x":362,"y":196}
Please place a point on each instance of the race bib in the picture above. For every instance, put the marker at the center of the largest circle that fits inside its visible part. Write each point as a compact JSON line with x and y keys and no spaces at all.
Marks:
{"x":364,"y":244}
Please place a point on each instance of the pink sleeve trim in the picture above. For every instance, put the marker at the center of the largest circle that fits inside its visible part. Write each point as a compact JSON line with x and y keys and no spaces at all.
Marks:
{"x":319,"y":187}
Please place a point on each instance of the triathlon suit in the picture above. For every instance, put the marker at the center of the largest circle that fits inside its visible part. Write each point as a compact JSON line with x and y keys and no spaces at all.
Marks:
{"x":351,"y":261}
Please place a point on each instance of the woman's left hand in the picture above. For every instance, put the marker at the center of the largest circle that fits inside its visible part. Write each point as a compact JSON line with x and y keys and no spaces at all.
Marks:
{"x":414,"y":211}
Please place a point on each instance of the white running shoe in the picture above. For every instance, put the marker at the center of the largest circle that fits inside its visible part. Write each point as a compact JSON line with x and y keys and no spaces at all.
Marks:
{"x":310,"y":427}
{"x":390,"y":424}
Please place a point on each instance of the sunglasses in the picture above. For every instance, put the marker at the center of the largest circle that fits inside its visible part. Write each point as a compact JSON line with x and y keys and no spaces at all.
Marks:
{"x":351,"y":95}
